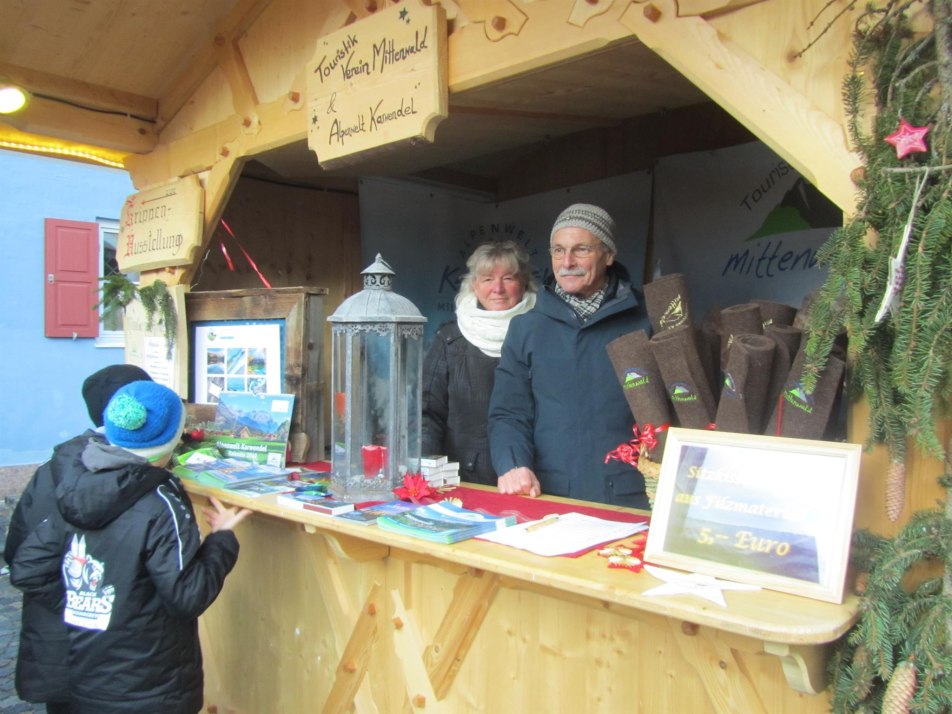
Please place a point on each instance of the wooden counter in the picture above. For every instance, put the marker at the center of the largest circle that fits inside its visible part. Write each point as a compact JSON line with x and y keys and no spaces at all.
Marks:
{"x":325,"y":615}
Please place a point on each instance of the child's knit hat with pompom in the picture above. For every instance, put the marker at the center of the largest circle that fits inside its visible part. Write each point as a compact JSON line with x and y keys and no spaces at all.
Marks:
{"x":145,"y":418}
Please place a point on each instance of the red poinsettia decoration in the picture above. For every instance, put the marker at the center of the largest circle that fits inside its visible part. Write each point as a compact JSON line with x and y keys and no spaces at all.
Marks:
{"x":908,"y":139}
{"x":415,"y":488}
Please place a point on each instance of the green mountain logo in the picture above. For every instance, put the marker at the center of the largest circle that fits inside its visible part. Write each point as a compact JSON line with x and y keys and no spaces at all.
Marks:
{"x":801,"y":208}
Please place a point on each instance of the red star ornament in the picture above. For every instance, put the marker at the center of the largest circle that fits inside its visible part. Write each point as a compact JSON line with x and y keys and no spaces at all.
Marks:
{"x":908,"y":139}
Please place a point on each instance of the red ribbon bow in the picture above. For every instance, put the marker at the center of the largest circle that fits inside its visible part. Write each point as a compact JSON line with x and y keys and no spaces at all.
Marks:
{"x":643,"y":441}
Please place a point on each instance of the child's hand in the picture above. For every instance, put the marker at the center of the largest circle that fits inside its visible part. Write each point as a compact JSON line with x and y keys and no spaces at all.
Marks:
{"x":223,"y":519}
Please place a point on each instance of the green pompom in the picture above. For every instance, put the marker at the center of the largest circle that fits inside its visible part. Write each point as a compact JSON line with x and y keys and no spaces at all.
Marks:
{"x":126,"y":412}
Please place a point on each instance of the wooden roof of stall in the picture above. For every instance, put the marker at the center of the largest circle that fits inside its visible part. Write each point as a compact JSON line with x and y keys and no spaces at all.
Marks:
{"x":215,"y":87}
{"x":113,"y":74}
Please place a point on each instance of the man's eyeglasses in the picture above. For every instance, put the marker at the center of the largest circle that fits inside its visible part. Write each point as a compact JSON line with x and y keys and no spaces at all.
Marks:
{"x":582,"y":250}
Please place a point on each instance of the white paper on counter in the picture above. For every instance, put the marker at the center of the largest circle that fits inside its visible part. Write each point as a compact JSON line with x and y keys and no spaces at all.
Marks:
{"x":569,"y":533}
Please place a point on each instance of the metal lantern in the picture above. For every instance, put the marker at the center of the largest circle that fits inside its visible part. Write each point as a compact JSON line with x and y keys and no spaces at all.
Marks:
{"x":377,"y":367}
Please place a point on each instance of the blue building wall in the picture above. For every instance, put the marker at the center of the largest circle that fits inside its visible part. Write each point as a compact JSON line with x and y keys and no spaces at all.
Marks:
{"x":42,"y":377}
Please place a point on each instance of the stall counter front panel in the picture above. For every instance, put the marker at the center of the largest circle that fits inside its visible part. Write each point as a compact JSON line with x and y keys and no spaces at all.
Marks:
{"x":322,"y":615}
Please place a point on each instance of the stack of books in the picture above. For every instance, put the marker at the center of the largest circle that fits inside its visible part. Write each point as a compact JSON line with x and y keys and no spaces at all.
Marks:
{"x":443,"y":522}
{"x":439,"y":471}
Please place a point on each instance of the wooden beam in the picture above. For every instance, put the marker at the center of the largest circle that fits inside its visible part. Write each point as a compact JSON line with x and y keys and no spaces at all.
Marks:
{"x":472,"y":597}
{"x":206,"y":59}
{"x":779,"y":115}
{"x":243,"y":96}
{"x":355,"y":658}
{"x":44,"y":117}
{"x":82,"y":94}
{"x":721,"y":672}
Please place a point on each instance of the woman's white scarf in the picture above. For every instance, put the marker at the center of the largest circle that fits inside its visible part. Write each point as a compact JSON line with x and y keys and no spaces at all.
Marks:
{"x":486,"y":329}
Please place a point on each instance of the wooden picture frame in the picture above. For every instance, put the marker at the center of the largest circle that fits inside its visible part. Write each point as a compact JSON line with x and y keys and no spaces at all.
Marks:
{"x":769,"y":511}
{"x":300,"y":312}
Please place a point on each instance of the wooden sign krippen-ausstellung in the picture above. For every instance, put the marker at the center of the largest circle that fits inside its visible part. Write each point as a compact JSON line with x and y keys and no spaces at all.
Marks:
{"x":380,"y":82}
{"x":161,"y":227}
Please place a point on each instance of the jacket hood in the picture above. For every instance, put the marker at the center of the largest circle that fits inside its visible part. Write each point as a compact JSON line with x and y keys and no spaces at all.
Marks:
{"x":106,"y":483}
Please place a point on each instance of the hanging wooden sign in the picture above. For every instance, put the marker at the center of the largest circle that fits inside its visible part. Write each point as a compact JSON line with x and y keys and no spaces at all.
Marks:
{"x":161,"y":227}
{"x":381,"y":82}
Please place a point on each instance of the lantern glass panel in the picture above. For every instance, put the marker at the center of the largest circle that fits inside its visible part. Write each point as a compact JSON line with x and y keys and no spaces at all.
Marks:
{"x":376,"y":376}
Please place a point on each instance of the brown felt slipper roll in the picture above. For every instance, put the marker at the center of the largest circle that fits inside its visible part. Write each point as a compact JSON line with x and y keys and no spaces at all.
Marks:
{"x":775,"y":313}
{"x":787,"y":338}
{"x":801,"y":415}
{"x":641,"y":382}
{"x":708,"y":337}
{"x":743,"y":319}
{"x":667,"y":300}
{"x":685,"y":381}
{"x":743,"y":404}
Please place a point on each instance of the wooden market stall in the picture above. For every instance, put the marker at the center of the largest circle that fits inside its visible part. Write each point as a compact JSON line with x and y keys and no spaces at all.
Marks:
{"x":325,"y":615}
{"x":334,"y":617}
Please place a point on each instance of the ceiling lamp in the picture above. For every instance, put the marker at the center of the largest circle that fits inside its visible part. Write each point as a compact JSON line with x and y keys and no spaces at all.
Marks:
{"x":12,"y":98}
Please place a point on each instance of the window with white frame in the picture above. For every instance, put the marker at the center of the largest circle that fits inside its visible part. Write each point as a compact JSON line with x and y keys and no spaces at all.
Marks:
{"x":110,"y":328}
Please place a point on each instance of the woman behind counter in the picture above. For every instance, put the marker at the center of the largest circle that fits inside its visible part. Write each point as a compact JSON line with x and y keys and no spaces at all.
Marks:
{"x":459,"y":366}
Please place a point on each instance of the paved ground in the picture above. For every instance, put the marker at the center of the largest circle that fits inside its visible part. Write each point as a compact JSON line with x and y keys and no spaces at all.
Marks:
{"x":10,"y":602}
{"x":12,"y":481}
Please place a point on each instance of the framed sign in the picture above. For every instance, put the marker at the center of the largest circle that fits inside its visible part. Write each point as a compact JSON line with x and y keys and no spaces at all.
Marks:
{"x":769,"y":511}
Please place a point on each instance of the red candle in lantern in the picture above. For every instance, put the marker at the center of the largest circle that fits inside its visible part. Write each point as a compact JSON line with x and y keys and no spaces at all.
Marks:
{"x":375,"y":460}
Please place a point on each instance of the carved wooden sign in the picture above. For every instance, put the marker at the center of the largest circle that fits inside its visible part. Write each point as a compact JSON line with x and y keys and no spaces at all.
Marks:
{"x":380,"y":82}
{"x":161,"y":227}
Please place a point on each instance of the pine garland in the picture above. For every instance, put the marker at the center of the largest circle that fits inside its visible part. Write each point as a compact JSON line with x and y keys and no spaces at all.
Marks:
{"x":898,"y":656}
{"x":901,"y":364}
{"x":118,"y":292}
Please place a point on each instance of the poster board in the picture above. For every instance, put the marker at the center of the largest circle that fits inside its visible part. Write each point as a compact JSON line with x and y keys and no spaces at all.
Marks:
{"x":236,"y":356}
{"x":769,"y":511}
{"x":146,"y":346}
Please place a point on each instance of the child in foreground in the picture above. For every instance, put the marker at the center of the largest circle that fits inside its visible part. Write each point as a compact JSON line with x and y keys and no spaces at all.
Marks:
{"x":124,"y":561}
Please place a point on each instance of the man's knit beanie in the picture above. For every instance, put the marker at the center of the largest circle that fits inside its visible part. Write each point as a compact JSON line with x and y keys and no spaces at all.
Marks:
{"x":145,"y":418}
{"x":592,"y":218}
{"x":99,"y":387}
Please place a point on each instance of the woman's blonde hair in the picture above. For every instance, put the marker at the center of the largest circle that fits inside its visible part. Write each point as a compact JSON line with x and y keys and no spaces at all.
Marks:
{"x":486,"y":256}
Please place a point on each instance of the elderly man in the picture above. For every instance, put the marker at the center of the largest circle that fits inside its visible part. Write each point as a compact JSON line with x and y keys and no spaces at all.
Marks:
{"x":557,"y":408}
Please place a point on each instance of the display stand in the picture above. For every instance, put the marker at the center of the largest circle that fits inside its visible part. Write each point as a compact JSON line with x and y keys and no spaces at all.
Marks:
{"x":300,"y":311}
{"x":324,"y":615}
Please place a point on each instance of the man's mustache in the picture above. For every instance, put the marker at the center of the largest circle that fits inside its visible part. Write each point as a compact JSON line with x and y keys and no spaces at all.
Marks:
{"x":571,"y":272}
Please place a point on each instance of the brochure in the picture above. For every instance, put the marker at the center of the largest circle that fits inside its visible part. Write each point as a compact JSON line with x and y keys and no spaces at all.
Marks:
{"x":228,"y":472}
{"x":253,"y":427}
{"x":443,"y":522}
{"x":368,"y":515}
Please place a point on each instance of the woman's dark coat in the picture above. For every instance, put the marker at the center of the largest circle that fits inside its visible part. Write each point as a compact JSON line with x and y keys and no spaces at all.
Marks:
{"x":457,"y":382}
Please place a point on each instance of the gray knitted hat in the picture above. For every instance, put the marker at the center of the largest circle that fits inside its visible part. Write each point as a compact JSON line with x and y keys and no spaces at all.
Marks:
{"x":592,"y":218}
